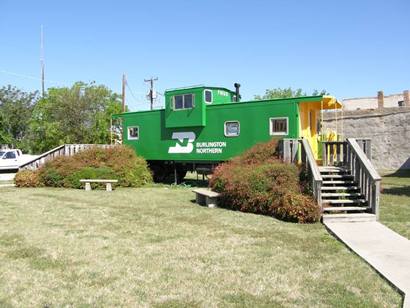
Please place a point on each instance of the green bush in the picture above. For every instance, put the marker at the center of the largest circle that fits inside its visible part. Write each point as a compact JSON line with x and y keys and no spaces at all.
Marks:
{"x":119,"y":162}
{"x":258,"y":182}
{"x":73,"y":180}
{"x":51,"y":177}
{"x":27,"y":178}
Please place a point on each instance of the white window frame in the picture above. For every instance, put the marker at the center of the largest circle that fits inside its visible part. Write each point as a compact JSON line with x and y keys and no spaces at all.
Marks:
{"x":183,"y":102}
{"x":128,"y":132}
{"x":212,"y":96}
{"x":232,"y":121}
{"x":272,"y":133}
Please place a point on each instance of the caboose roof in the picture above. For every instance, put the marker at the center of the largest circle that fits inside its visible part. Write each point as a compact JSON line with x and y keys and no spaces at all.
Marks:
{"x":200,"y":86}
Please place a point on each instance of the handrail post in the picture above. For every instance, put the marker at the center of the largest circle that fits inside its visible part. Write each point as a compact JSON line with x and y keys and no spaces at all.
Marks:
{"x":324,"y":153}
{"x":364,"y":173}
{"x":376,"y":199}
{"x":309,"y":162}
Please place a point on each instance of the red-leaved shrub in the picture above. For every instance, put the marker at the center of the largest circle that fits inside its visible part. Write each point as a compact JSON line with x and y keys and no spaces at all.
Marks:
{"x":119,"y":162}
{"x":27,"y":178}
{"x":259,"y":182}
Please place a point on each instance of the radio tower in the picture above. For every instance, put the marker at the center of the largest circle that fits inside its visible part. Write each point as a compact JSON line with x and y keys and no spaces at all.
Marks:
{"x":42,"y":61}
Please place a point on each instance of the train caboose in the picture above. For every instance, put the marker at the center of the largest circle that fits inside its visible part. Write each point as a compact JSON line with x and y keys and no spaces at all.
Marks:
{"x":202,"y":126}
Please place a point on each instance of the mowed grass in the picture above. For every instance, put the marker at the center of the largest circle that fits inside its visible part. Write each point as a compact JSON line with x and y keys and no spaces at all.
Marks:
{"x":155,"y":247}
{"x":395,"y":202}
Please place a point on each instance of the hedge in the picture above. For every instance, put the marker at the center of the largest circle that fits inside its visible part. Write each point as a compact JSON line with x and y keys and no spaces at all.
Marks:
{"x":118,"y":162}
{"x":259,"y":182}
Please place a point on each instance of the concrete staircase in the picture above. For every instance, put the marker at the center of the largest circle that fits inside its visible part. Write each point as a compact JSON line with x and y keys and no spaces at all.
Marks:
{"x":342,"y":199}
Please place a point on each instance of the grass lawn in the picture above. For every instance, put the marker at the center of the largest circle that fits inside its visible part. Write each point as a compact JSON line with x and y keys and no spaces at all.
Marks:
{"x":395,"y":202}
{"x":154,"y":247}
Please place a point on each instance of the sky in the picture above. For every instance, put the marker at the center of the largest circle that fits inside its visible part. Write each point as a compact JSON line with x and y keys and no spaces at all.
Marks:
{"x":350,"y":48}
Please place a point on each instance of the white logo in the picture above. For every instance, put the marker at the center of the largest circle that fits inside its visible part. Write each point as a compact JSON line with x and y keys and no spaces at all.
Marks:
{"x":178,"y":149}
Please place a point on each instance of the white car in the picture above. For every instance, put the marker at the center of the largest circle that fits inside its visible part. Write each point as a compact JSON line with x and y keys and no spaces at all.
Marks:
{"x":14,"y":158}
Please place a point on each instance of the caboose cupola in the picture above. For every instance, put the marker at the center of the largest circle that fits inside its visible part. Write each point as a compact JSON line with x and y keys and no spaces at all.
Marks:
{"x":186,"y":107}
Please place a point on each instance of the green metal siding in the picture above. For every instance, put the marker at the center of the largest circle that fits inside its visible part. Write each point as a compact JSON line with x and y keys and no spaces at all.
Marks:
{"x":156,"y":140}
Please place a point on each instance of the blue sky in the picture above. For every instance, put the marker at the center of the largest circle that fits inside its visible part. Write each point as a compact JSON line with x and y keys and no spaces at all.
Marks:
{"x":350,"y":48}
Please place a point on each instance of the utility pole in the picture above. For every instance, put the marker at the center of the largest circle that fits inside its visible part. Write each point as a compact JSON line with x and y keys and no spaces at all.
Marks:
{"x":124,"y":82}
{"x":42,"y":61}
{"x":151,"y":90}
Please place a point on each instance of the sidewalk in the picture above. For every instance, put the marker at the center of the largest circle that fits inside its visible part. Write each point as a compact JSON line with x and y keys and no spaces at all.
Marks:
{"x":384,"y":249}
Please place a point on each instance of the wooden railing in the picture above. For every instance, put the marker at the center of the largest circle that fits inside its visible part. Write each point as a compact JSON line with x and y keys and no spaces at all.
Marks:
{"x":62,"y":150}
{"x":364,"y":174}
{"x":334,"y":153}
{"x":289,"y":151}
{"x":312,"y":169}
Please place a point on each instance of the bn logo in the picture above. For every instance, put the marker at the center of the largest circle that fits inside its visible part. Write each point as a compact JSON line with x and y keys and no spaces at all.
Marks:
{"x":182,"y":149}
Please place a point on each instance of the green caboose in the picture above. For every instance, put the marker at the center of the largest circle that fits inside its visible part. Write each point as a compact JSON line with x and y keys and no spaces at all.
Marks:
{"x":202,"y":126}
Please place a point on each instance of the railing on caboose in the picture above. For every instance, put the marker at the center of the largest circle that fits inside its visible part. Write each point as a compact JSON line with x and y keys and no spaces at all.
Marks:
{"x":335,"y":152}
{"x":352,"y":154}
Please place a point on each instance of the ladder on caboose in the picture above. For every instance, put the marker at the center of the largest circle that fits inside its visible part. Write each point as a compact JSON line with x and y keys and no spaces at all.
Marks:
{"x":345,"y":183}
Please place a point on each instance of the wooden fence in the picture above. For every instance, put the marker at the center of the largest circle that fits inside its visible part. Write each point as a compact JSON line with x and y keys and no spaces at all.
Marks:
{"x":62,"y":150}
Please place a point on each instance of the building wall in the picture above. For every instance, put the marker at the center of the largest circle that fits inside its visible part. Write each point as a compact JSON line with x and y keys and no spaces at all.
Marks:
{"x":389,"y":129}
{"x":361,"y":103}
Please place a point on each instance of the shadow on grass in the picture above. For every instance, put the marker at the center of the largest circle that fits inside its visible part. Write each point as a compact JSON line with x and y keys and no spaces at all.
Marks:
{"x":398,"y":191}
{"x":399,"y":174}
{"x":195,"y":183}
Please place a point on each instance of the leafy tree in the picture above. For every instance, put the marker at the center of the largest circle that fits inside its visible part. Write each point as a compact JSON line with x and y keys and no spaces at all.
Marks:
{"x":287,"y":93}
{"x":79,"y":114}
{"x":16,"y":108}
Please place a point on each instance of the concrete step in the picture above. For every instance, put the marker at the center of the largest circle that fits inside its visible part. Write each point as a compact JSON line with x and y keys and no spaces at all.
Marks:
{"x":344,"y":201}
{"x":337,"y":176}
{"x":339,"y":182}
{"x":352,"y":217}
{"x":345,"y":208}
{"x":341,"y":194}
{"x":340,"y":188}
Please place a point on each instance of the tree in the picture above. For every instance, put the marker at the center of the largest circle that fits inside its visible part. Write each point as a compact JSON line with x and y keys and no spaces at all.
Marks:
{"x":16,"y":108}
{"x":287,"y":93}
{"x":80,"y":114}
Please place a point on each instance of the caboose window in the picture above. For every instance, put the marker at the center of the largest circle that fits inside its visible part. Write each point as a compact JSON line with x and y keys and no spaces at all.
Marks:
{"x":133,"y":132}
{"x":278,"y":126}
{"x":208,"y":96}
{"x":178,"y":102}
{"x":188,"y":101}
{"x":232,"y":128}
{"x":185,"y":101}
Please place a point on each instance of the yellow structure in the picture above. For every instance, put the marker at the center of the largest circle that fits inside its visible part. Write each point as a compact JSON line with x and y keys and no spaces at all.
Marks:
{"x":311,"y":121}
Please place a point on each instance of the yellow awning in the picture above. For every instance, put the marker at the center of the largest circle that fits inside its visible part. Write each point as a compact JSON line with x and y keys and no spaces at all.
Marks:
{"x":330,"y":102}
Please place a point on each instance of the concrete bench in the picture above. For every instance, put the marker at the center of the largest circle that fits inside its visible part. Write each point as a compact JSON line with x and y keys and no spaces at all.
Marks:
{"x":206,"y":197}
{"x":108,"y":183}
